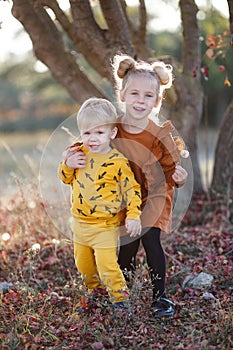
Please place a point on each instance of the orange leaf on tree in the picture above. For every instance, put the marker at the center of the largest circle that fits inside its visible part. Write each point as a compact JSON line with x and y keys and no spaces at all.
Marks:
{"x":227,"y":82}
{"x":211,"y":40}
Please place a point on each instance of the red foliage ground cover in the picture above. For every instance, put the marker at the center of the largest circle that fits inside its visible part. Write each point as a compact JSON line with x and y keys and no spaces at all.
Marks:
{"x":40,"y":309}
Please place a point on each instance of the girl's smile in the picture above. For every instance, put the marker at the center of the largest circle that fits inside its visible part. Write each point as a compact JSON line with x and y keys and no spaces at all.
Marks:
{"x":140,"y":97}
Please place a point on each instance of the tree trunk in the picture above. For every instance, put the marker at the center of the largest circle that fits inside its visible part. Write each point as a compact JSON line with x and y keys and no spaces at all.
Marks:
{"x":222,"y":181}
{"x":223,"y":166}
{"x":187,"y":110}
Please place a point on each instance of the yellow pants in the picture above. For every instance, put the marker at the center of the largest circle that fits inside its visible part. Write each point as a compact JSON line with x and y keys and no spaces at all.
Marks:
{"x":98,"y":267}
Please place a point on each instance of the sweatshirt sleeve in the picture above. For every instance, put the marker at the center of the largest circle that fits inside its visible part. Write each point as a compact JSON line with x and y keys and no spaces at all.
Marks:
{"x":169,"y":155}
{"x":65,"y":173}
{"x":131,"y":192}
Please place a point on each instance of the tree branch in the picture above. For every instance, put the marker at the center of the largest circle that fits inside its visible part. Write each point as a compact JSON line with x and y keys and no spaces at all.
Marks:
{"x":142,"y":21}
{"x":117,"y":25}
{"x":83,"y":16}
{"x":59,"y":14}
{"x":191,"y":45}
{"x":138,"y":35}
{"x":49,"y":48}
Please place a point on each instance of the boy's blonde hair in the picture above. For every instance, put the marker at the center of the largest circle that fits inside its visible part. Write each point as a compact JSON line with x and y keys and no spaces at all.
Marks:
{"x":96,"y":112}
{"x":125,"y":68}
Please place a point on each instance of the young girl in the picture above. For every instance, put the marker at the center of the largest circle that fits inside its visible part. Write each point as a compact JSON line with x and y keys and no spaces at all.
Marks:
{"x":154,"y":156}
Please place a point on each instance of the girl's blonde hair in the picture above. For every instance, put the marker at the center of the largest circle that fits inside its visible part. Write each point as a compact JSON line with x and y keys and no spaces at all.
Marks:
{"x":96,"y":112}
{"x":125,"y":67}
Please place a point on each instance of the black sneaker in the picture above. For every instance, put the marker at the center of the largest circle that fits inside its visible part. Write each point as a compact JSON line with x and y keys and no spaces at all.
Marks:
{"x":163,"y":307}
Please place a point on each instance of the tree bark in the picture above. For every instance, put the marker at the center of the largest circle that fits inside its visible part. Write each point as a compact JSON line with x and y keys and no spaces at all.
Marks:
{"x":223,"y":167}
{"x":230,"y":5}
{"x":222,"y":180}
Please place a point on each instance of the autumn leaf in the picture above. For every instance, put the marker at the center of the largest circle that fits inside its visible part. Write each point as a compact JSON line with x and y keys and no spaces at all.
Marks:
{"x":211,"y":41}
{"x":227,"y":82}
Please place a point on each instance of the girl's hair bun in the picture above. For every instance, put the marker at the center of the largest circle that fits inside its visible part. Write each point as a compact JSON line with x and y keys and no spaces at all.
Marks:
{"x":125,"y":64}
{"x":164,"y":73}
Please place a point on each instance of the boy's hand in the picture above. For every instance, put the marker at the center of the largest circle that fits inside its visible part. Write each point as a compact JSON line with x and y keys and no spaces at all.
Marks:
{"x":73,"y":158}
{"x":180,"y":175}
{"x":133,"y":227}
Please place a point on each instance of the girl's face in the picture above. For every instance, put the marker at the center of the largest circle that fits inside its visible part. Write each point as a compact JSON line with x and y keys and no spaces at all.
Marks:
{"x":97,"y":139}
{"x":140,"y":96}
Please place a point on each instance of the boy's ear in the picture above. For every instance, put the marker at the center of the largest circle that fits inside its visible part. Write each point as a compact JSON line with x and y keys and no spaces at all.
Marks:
{"x":122,"y":96}
{"x":114,"y":132}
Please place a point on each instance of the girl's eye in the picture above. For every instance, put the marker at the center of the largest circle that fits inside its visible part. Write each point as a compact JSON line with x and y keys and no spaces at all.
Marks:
{"x":100,"y":132}
{"x":149,"y":95}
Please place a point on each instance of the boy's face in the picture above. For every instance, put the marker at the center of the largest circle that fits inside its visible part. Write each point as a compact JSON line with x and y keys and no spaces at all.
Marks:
{"x":98,"y":138}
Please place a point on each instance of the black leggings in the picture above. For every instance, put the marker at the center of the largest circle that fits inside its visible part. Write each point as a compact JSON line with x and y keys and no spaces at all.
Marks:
{"x":154,"y":255}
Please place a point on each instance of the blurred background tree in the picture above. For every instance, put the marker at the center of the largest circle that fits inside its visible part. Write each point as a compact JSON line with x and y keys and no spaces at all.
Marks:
{"x":77,"y":46}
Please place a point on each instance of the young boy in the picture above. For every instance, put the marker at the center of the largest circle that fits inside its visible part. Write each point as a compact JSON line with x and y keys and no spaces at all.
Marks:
{"x":102,"y":184}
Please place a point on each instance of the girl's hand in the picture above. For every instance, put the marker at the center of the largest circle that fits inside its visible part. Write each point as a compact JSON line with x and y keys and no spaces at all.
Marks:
{"x":133,"y":227}
{"x":180,"y":175}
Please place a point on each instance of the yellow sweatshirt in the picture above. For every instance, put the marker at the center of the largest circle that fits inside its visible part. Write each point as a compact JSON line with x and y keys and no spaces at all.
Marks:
{"x":104,"y":187}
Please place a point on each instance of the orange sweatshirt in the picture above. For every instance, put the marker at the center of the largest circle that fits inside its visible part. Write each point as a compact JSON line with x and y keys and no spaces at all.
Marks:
{"x":153,"y":155}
